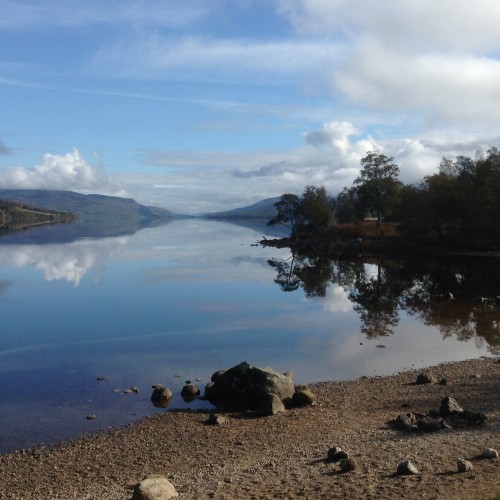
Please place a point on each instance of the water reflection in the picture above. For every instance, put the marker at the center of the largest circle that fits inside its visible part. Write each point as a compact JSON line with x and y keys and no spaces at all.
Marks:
{"x":178,"y":302}
{"x":70,"y":262}
{"x":461,"y":297}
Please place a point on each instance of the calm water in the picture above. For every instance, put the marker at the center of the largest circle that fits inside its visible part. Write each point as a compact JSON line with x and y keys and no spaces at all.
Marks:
{"x":181,"y":301}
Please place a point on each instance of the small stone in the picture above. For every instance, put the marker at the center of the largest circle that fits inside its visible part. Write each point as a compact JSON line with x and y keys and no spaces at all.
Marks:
{"x":91,"y":417}
{"x":348,"y":465}
{"x":405,"y":421}
{"x":426,"y":378}
{"x":332,"y":453}
{"x":215,"y":419}
{"x":154,"y":488}
{"x":100,"y":378}
{"x":406,"y":468}
{"x":463,"y":465}
{"x":303,"y":396}
{"x":489,"y":453}
{"x":449,"y":406}
{"x":272,"y":405}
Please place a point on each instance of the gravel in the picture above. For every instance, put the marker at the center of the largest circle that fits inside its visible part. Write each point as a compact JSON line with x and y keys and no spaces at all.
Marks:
{"x":285,"y":456}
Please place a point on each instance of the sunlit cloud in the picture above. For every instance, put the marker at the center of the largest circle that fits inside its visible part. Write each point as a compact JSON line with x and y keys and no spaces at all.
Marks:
{"x":64,"y":172}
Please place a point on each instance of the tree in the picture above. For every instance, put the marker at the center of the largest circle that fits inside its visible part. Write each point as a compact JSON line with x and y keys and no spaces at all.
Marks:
{"x":316,"y":214}
{"x":286,"y":211}
{"x":311,"y":214}
{"x":377,"y":185}
{"x":346,"y":209}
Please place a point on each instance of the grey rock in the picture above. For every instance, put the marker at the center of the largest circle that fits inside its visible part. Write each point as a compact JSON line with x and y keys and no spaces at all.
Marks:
{"x":405,"y":421}
{"x":463,"y":465}
{"x":406,"y":468}
{"x":449,"y":406}
{"x":489,"y":453}
{"x":271,"y":405}
{"x":154,"y":487}
{"x":245,"y":387}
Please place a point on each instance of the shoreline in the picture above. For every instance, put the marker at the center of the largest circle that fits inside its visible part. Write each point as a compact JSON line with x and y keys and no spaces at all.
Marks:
{"x":284,"y":456}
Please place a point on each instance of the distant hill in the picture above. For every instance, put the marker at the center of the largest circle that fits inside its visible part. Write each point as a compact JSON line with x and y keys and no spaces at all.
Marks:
{"x":86,"y":206}
{"x":96,"y":215}
{"x":263,"y":209}
{"x":16,"y":216}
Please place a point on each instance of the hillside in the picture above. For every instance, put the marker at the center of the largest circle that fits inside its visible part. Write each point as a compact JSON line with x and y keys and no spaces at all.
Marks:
{"x":17,"y":216}
{"x":96,"y":215}
{"x":263,"y":209}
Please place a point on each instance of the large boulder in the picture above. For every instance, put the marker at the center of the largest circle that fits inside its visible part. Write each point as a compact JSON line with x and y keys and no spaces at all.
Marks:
{"x":245,"y":387}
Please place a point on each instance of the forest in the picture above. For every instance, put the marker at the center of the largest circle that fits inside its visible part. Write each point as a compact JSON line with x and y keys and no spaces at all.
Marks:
{"x":457,"y":206}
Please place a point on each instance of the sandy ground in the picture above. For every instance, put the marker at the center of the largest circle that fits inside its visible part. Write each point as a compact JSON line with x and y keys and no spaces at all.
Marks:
{"x":284,"y":456}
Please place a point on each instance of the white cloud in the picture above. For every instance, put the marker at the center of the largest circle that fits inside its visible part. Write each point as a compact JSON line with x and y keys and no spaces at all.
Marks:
{"x":188,"y":182}
{"x":66,"y":172}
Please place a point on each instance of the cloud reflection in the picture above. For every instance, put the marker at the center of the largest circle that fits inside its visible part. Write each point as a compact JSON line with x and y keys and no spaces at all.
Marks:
{"x":70,"y":262}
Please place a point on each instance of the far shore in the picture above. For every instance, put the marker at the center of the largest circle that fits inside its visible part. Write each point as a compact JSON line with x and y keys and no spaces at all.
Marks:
{"x":284,"y":456}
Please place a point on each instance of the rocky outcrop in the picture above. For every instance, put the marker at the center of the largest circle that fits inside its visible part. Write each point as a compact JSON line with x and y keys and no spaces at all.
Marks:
{"x":245,"y":387}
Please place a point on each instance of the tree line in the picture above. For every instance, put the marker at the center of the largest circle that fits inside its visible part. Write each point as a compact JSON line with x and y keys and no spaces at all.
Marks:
{"x":460,"y":204}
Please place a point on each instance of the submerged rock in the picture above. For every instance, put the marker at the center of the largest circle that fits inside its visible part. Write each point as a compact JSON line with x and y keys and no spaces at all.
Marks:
{"x":162,"y":396}
{"x":190,"y":392}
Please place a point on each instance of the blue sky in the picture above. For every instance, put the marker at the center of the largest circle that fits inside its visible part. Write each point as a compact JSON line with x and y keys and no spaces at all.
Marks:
{"x":208,"y":105}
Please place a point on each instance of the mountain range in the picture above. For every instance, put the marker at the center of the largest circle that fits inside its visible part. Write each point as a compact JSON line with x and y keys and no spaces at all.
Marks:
{"x":101,"y":216}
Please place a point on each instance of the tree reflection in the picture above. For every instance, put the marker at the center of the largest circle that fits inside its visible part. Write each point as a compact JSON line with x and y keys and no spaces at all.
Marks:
{"x":459,"y":297}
